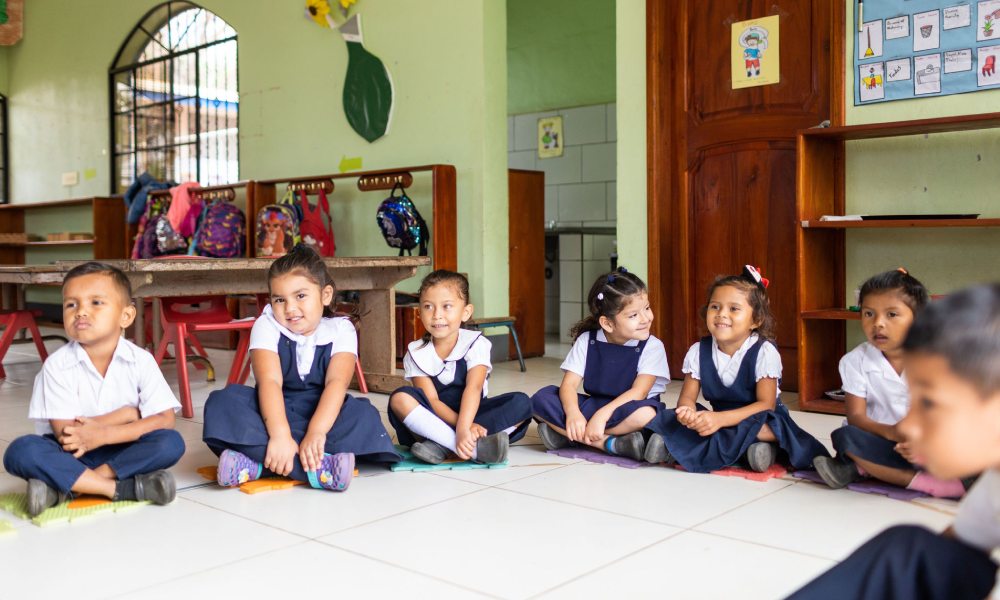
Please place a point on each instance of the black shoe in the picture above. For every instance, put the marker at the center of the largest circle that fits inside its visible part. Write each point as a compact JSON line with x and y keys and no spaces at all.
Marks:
{"x":761,"y":456}
{"x":157,"y":487}
{"x":429,"y":451}
{"x":551,"y":439}
{"x":835,"y":473}
{"x":41,"y":497}
{"x":492,"y":449}
{"x":656,"y":451}
{"x":630,"y":445}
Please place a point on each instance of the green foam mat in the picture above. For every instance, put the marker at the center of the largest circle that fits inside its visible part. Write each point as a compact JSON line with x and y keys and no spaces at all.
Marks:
{"x":17,"y":505}
{"x":411,"y":464}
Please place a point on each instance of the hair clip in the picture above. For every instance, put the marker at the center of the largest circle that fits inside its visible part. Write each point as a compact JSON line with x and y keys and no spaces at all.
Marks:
{"x":611,"y":278}
{"x":753,"y":275}
{"x":600,"y":296}
{"x":903,"y":271}
{"x":622,"y":270}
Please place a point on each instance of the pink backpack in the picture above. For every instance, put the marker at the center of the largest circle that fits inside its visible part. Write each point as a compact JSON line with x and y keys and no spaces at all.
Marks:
{"x":316,"y":228}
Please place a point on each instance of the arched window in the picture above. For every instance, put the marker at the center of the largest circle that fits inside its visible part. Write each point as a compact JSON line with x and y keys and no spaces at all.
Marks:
{"x":175,"y":100}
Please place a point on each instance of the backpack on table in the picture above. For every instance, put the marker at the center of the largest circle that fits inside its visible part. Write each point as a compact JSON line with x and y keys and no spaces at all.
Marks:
{"x":278,"y":227}
{"x":316,"y":228}
{"x":401,"y":223}
{"x":221,"y":231}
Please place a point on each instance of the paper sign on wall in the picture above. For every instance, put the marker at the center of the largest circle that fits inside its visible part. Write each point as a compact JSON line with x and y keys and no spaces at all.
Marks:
{"x":755,"y":55}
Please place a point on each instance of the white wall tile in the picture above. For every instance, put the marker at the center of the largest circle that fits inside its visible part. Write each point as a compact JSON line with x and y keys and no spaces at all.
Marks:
{"x":525,"y":159}
{"x":569,"y":247}
{"x":612,"y":121}
{"x":600,"y":162}
{"x":612,"y":201}
{"x":583,"y":202}
{"x":526,"y":130}
{"x":551,"y":203}
{"x":570,"y":280}
{"x":562,"y":169}
{"x":598,"y":247}
{"x":592,"y":269}
{"x":569,"y":314}
{"x":552,"y":315}
{"x":585,"y":125}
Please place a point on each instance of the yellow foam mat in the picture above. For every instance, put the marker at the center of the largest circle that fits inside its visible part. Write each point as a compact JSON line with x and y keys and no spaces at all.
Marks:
{"x":268,"y":484}
{"x":17,"y":505}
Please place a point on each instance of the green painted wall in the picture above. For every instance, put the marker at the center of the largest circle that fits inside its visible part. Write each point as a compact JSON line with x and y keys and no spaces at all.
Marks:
{"x":560,"y":53}
{"x":631,"y":107}
{"x":448,"y":63}
{"x":941,"y":173}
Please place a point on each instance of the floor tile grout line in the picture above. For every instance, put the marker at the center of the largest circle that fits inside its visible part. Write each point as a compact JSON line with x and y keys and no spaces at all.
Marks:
{"x":129,"y":593}
{"x":608,"y":564}
{"x":585,"y":507}
{"x":763,"y":545}
{"x":246,"y":518}
{"x":747,"y":503}
{"x":409,"y":570}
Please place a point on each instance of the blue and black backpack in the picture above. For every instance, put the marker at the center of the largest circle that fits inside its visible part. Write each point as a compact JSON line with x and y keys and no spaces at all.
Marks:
{"x":401,"y":223}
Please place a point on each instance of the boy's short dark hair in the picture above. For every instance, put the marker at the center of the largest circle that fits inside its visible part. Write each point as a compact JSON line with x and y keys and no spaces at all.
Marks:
{"x":117,"y":276}
{"x":964,"y":328}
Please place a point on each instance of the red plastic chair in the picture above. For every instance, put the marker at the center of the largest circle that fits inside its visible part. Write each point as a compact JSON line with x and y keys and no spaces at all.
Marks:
{"x":181,"y":322}
{"x":14,"y":321}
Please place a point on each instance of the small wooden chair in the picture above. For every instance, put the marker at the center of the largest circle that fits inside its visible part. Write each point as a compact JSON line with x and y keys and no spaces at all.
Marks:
{"x":508,"y":322}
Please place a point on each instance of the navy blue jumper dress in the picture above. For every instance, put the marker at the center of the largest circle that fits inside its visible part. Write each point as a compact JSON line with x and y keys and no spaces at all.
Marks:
{"x":610,"y":371}
{"x":869,"y":446}
{"x":495,"y":414}
{"x":233,"y":419}
{"x":727,"y":446}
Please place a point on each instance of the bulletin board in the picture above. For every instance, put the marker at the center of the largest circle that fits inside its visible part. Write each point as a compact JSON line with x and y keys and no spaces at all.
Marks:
{"x":907,"y":49}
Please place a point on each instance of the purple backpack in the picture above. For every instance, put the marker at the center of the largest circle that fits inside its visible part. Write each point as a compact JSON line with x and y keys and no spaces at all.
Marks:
{"x":221,"y":231}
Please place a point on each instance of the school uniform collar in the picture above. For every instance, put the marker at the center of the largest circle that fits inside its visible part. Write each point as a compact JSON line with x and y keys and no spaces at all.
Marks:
{"x":602,"y":337}
{"x":124,"y":351}
{"x":305,"y":345}
{"x":747,"y":344}
{"x":876,"y":362}
{"x":427,"y":359}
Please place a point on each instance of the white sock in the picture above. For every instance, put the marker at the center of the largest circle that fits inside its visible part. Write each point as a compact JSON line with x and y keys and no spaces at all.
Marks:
{"x":426,"y":424}
{"x":510,"y":429}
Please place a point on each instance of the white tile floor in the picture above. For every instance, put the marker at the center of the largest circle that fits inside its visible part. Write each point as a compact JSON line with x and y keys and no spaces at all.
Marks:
{"x":544,"y":527}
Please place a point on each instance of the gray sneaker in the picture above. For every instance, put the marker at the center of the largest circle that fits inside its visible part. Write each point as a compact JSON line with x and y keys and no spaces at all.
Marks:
{"x":656,"y":451}
{"x":429,"y":451}
{"x":761,"y":456}
{"x":492,"y":449}
{"x":41,"y":497}
{"x":835,"y":473}
{"x":157,"y":487}
{"x":631,"y":445}
{"x":551,"y":439}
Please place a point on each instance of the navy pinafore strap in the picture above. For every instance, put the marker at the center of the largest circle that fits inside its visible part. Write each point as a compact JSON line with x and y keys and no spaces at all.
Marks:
{"x":611,"y":368}
{"x":744,"y":388}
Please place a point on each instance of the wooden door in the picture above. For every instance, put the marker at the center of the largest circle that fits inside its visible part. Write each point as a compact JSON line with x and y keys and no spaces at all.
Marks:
{"x":722,"y":161}
{"x":526,"y":236}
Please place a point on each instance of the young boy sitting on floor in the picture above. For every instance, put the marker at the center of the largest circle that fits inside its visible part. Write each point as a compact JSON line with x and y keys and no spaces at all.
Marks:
{"x":103,"y":411}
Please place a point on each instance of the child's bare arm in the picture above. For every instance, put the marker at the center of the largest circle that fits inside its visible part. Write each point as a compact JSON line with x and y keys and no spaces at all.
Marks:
{"x":86,"y":434}
{"x":767,"y":399}
{"x":338,"y":377}
{"x":856,"y":409}
{"x":281,"y":447}
{"x":472,"y":396}
{"x":122,"y":416}
{"x":442,"y":410}
{"x":639,"y":391}
{"x":689,"y":392}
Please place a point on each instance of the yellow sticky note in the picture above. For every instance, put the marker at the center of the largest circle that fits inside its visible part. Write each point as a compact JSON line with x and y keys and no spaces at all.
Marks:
{"x":89,"y":174}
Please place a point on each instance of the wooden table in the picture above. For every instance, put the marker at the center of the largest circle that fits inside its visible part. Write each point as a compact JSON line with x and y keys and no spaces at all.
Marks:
{"x":374,"y":278}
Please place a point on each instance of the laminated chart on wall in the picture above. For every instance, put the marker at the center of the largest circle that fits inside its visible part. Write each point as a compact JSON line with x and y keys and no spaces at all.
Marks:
{"x":907,"y":49}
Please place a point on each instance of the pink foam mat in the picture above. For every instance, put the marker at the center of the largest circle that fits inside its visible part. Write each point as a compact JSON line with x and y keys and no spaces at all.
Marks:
{"x":868,"y":486}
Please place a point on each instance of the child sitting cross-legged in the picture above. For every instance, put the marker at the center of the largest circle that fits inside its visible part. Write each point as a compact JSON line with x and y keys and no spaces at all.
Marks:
{"x":103,"y":411}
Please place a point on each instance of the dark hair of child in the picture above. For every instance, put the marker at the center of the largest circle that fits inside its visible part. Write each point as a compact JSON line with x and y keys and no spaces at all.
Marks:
{"x":119,"y":279}
{"x":756,"y":298}
{"x":963,"y":328}
{"x":607,"y":297}
{"x":444,"y":277}
{"x":304,"y":261}
{"x":898,"y":280}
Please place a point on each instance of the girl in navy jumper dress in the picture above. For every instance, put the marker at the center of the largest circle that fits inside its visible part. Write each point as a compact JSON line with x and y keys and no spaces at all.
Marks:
{"x":447,"y":408}
{"x":737,"y":369}
{"x":300,"y":421}
{"x":877,"y":395}
{"x":622,"y":367}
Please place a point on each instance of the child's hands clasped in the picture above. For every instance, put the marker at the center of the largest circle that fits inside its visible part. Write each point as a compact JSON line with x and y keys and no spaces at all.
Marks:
{"x":311,"y":450}
{"x":576,"y":427}
{"x":685,"y":415}
{"x":82,"y":436}
{"x":706,"y":423}
{"x":280,"y":457}
{"x":596,"y":425}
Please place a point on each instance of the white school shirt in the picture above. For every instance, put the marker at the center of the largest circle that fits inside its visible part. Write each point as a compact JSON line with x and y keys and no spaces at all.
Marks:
{"x":728,"y":367}
{"x":423,"y":361}
{"x":978,"y":520}
{"x":70,"y":386}
{"x":652,"y":361}
{"x":866,"y":373}
{"x":339,"y":331}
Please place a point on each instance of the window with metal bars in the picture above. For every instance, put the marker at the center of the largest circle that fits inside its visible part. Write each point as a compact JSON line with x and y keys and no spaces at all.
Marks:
{"x":174,"y":99}
{"x":4,"y":171}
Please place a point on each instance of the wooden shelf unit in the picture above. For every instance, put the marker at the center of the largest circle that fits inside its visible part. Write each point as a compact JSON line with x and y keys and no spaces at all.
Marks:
{"x":820,"y":245}
{"x":107,"y":224}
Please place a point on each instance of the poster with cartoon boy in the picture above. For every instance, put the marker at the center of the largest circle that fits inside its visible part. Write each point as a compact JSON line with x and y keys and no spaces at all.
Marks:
{"x":755,"y":52}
